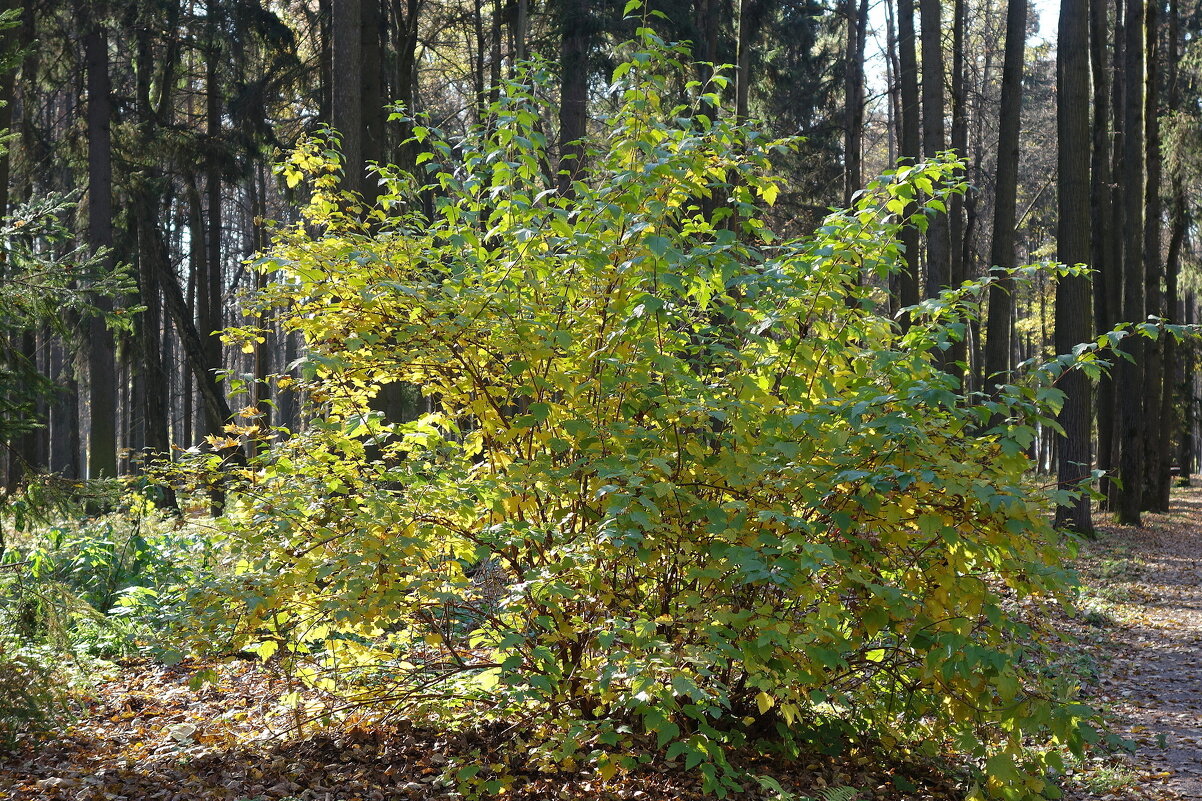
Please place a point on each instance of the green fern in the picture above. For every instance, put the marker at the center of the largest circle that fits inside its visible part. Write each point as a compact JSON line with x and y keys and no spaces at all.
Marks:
{"x":840,"y":794}
{"x":829,"y":794}
{"x":31,"y":693}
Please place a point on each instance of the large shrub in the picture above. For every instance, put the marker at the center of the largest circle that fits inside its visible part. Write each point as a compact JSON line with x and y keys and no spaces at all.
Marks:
{"x":682,"y":484}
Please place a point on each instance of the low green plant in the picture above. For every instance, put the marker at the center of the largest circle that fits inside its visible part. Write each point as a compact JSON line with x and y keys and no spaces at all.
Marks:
{"x":1103,"y":775}
{"x":771,"y":785}
{"x":722,"y":495}
{"x":112,"y":585}
{"x":32,"y":698}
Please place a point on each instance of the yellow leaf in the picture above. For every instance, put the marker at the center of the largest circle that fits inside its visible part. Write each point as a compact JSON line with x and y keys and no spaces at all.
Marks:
{"x":764,"y":702}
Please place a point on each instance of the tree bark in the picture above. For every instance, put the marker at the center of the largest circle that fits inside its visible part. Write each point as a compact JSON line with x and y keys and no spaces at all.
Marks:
{"x":346,"y":100}
{"x":102,"y":385}
{"x":958,"y":258}
{"x":372,"y":96}
{"x":853,"y":93}
{"x":1073,"y":313}
{"x":909,"y":149}
{"x":217,"y":410}
{"x":1001,"y":293}
{"x":1107,"y":279}
{"x":1189,"y":354}
{"x":1170,"y":416}
{"x":934,"y":139}
{"x":1129,"y":376}
{"x":574,"y":45}
{"x":1156,"y":466}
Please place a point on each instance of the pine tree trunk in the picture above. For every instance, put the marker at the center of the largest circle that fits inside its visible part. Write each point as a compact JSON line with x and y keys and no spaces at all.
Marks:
{"x":909,"y":147}
{"x":102,"y":372}
{"x":1073,"y":313}
{"x":346,"y":100}
{"x":1001,"y":294}
{"x":1129,"y":378}
{"x":1173,"y":397}
{"x":934,"y":140}
{"x":372,"y":97}
{"x":957,"y":274}
{"x":573,"y":98}
{"x":856,"y":14}
{"x":1107,"y":279}
{"x":153,"y":394}
{"x":1189,"y":373}
{"x":1156,"y":472}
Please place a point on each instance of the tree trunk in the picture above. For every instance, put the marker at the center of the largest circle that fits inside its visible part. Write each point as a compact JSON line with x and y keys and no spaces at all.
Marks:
{"x":1073,"y":313}
{"x":853,"y":93}
{"x":933,"y":139}
{"x":210,"y":313}
{"x":217,"y":410}
{"x":1129,"y":378}
{"x":909,"y":148}
{"x":1107,"y":280}
{"x":263,"y":362}
{"x":346,"y":101}
{"x":521,"y":30}
{"x":1001,"y":294}
{"x":102,"y":373}
{"x":1172,"y":396}
{"x":1189,"y":360}
{"x":372,"y":98}
{"x":751,"y":16}
{"x":1156,"y":467}
{"x":575,"y":36}
{"x":151,"y":250}
{"x":894,"y":106}
{"x":957,"y":272}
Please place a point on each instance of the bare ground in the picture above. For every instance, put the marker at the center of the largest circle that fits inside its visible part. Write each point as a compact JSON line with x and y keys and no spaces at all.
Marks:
{"x":1144,"y":599}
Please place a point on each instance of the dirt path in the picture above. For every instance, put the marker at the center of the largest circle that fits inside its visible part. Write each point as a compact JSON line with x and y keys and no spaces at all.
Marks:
{"x":1145,"y":597}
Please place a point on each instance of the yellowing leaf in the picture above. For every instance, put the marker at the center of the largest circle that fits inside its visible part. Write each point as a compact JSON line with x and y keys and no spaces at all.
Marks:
{"x":266,"y":649}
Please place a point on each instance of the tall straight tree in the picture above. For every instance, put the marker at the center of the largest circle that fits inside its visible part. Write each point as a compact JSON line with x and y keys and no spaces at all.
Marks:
{"x":1171,"y":424}
{"x":147,"y":202}
{"x":1156,"y":461}
{"x":909,"y":145}
{"x":1107,"y":279}
{"x":1001,"y":293}
{"x":346,"y":87}
{"x":749,"y":22}
{"x":371,"y":97}
{"x":959,"y":141}
{"x":853,"y":92}
{"x":1073,"y":247}
{"x":211,"y":315}
{"x":575,"y":41}
{"x":102,"y":385}
{"x":957,"y":271}
{"x":933,"y":138}
{"x":1129,"y":377}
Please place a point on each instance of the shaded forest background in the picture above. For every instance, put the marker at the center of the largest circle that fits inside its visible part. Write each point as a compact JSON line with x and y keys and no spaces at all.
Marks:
{"x":148,"y":131}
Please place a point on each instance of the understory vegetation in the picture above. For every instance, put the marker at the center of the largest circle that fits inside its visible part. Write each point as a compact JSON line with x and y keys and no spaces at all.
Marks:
{"x":680,"y":487}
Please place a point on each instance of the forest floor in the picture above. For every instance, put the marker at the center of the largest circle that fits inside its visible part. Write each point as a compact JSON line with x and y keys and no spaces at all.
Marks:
{"x":151,"y":733}
{"x":1142,"y":648}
